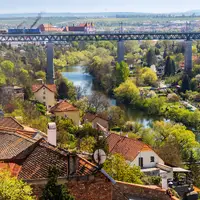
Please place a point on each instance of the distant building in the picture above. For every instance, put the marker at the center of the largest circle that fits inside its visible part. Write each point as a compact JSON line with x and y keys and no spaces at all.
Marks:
{"x":67,"y":110}
{"x":49,"y":28}
{"x":96,"y":120}
{"x":86,"y":27}
{"x":45,"y":93}
{"x":10,"y":92}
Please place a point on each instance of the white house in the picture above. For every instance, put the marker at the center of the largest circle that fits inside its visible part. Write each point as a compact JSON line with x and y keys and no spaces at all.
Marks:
{"x":45,"y":93}
{"x":140,"y":154}
{"x":134,"y":151}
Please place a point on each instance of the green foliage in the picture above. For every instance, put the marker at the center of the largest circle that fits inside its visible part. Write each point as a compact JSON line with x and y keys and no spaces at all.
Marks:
{"x":66,"y":90}
{"x":87,"y":144}
{"x":13,"y":189}
{"x":148,"y":76}
{"x":120,"y":170}
{"x":30,"y":115}
{"x":66,"y":130}
{"x":122,"y":72}
{"x":116,"y":116}
{"x":151,"y":57}
{"x":185,"y":83}
{"x":174,"y":136}
{"x":41,"y":75}
{"x":152,"y":180}
{"x":127,"y":92}
{"x":170,"y":67}
{"x":53,"y":190}
{"x":41,"y":108}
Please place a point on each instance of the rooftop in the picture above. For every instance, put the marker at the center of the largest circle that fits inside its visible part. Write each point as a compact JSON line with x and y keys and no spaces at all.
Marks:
{"x":127,"y":147}
{"x":30,"y":159}
{"x":63,"y":106}
{"x":37,"y":87}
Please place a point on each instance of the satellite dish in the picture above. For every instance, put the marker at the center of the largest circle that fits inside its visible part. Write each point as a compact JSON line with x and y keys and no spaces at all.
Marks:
{"x":99,"y":156}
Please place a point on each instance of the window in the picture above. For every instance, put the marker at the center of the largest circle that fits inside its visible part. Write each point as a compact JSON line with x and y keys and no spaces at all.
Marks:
{"x":152,"y":159}
{"x":141,"y":162}
{"x":44,"y":97}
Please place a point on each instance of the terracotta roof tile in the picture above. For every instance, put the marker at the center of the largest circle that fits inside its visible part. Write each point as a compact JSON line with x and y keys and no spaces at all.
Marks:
{"x":38,"y":162}
{"x":39,"y":158}
{"x":12,"y":145}
{"x":12,"y":167}
{"x":51,"y":87}
{"x":11,"y":123}
{"x":90,"y":117}
{"x":63,"y":106}
{"x":127,"y":147}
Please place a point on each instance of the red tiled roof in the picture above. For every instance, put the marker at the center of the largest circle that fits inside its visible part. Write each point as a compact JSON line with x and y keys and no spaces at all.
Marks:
{"x":51,"y":87}
{"x":12,"y":144}
{"x":90,"y":117}
{"x":63,"y":106}
{"x":12,"y":167}
{"x":125,"y":146}
{"x":38,"y":157}
{"x":11,"y":123}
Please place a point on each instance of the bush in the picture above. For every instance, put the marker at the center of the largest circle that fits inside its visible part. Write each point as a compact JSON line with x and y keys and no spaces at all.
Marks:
{"x":151,"y":180}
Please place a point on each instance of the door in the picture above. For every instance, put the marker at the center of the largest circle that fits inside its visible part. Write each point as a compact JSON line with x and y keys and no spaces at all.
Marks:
{"x":141,"y":162}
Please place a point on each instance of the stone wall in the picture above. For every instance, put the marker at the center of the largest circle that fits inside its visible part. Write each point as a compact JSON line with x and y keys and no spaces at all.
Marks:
{"x":88,"y":188}
{"x":98,"y":189}
{"x":124,"y":191}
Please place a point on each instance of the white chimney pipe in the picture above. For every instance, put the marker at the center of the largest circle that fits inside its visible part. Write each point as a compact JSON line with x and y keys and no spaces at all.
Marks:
{"x":52,"y":133}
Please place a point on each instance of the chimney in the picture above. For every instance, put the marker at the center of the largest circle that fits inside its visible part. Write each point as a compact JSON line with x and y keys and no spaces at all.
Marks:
{"x":52,"y":134}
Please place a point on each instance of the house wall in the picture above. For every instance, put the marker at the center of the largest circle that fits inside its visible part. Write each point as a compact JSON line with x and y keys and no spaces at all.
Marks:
{"x":45,"y":96}
{"x":101,"y":121}
{"x":146,"y":155}
{"x":73,"y":115}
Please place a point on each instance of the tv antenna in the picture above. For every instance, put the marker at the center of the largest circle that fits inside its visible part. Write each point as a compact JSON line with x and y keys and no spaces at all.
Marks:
{"x":99,"y":156}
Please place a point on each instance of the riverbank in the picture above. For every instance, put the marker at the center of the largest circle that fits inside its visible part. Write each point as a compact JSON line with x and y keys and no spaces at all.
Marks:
{"x":79,"y":77}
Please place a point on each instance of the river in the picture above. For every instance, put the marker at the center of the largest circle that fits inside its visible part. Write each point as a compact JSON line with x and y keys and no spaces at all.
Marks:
{"x":77,"y":75}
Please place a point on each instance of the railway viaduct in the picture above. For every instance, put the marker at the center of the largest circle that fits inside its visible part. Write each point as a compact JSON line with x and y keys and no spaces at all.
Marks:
{"x":50,"y":39}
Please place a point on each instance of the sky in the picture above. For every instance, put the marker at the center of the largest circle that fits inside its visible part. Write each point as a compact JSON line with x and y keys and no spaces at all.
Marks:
{"x":150,"y":6}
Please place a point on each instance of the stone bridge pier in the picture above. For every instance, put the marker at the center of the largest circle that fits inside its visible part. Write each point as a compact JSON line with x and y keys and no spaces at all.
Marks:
{"x":188,"y":56}
{"x":120,"y":51}
{"x":50,"y":67}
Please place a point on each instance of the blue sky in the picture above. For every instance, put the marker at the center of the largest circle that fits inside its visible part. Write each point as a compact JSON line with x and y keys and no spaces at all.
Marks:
{"x":156,"y":6}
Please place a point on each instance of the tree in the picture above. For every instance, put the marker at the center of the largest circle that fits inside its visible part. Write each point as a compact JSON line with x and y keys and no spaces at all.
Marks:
{"x":7,"y":68}
{"x":148,"y":76}
{"x":41,"y":75}
{"x":185,"y":83}
{"x":127,"y":92}
{"x":151,"y":57}
{"x":66,"y":90}
{"x":116,"y":116}
{"x":12,"y":188}
{"x":165,"y":54}
{"x":122,"y":72}
{"x":168,"y":135}
{"x":87,"y":144}
{"x":169,"y":67}
{"x":97,"y":102}
{"x":117,"y":167}
{"x":53,"y":190}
